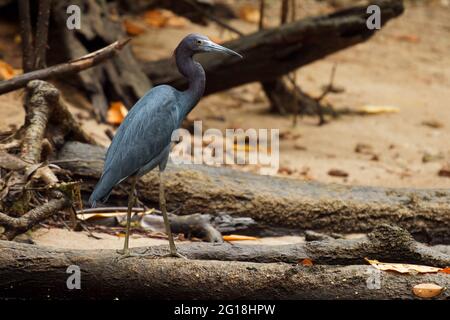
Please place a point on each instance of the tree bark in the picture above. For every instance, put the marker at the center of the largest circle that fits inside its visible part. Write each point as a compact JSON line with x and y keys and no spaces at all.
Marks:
{"x":276,"y":201}
{"x":269,"y":54}
{"x":37,"y":272}
{"x":119,"y":79}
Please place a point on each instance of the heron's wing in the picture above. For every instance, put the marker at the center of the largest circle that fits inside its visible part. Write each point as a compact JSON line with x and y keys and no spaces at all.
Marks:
{"x":144,"y":134}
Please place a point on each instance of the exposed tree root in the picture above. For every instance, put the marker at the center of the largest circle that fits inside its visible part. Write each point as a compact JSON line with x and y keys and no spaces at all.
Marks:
{"x":45,"y":110}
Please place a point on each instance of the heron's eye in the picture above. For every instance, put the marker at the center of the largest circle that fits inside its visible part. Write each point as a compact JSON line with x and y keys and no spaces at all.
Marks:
{"x":199,"y":42}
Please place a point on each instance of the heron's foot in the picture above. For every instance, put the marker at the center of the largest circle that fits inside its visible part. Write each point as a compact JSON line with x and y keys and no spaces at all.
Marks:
{"x":178,"y":255}
{"x":175,"y":254}
{"x":124,"y":254}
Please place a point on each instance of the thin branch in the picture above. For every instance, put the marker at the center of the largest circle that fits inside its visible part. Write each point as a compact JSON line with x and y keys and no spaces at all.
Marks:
{"x":329,"y":87}
{"x":262,"y":4}
{"x":59,"y":70}
{"x":26,"y":36}
{"x":42,"y":34}
{"x":293,"y":10}
{"x":284,"y":11}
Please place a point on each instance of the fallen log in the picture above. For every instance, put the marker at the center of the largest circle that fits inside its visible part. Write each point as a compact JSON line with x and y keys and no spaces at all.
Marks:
{"x":30,"y":271}
{"x":385,"y":243}
{"x":276,"y":201}
{"x":269,"y":54}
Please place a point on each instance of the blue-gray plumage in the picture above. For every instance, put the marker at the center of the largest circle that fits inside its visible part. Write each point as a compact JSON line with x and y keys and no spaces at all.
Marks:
{"x":143,"y":140}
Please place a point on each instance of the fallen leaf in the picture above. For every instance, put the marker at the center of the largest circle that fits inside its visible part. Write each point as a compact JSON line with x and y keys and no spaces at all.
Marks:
{"x":116,"y":113}
{"x":176,"y":22}
{"x":337,"y":173}
{"x":160,"y":18}
{"x":445,"y":270}
{"x":402,"y":267}
{"x":411,"y":38}
{"x":370,"y":109}
{"x":435,"y":124}
{"x":430,"y":157}
{"x":236,"y":237}
{"x":307,"y":262}
{"x":6,"y":71}
{"x":427,"y":290}
{"x":285,"y":170}
{"x":445,"y":171}
{"x":249,"y":13}
{"x":156,"y":18}
{"x":132,"y":28}
{"x":364,"y":148}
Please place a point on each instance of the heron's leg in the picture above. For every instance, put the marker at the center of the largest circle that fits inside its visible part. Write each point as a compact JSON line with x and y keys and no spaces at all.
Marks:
{"x":131,"y":197}
{"x":162,"y":204}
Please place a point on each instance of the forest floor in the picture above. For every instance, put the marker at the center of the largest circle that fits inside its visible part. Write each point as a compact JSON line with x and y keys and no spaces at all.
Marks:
{"x":406,"y":65}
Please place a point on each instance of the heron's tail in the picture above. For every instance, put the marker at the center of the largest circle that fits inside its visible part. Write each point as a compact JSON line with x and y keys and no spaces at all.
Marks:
{"x":101,"y":191}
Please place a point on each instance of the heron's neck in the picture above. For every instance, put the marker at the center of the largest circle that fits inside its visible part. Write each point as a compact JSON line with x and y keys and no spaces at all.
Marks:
{"x":195,"y":74}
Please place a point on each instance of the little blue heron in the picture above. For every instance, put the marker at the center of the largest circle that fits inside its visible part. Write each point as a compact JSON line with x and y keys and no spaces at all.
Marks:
{"x":143,"y":140}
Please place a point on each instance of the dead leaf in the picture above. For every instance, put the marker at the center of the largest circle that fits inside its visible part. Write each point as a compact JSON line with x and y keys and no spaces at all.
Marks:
{"x":445,"y":171}
{"x":132,"y":28}
{"x":285,"y":170}
{"x":430,"y":157}
{"x":402,"y":267}
{"x":445,"y":270}
{"x":364,"y":148}
{"x":307,"y":262}
{"x":427,"y":290}
{"x":371,"y":109}
{"x":116,"y":113}
{"x":236,"y":237}
{"x":249,"y":13}
{"x":411,"y":38}
{"x":337,"y":173}
{"x":160,"y":18}
{"x":176,"y":22}
{"x":435,"y":124}
{"x":156,"y":18}
{"x":6,"y":71}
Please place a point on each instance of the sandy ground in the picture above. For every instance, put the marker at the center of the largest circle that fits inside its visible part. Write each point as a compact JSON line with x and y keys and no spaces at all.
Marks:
{"x":66,"y":239}
{"x":406,"y":65}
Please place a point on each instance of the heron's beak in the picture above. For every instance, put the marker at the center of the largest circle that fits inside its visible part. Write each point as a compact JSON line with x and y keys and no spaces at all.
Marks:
{"x":211,"y":46}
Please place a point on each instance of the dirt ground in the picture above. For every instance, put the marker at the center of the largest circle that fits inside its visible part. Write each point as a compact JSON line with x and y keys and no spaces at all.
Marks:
{"x":406,"y":65}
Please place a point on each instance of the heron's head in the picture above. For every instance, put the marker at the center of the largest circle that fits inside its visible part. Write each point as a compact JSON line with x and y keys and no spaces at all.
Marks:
{"x":198,"y":43}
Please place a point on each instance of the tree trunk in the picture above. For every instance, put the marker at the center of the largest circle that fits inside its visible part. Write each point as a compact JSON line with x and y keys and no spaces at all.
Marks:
{"x":269,"y":54}
{"x":276,"y":201}
{"x":119,"y":79}
{"x":42,"y":272}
